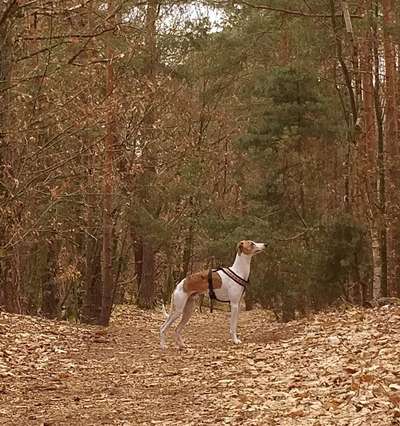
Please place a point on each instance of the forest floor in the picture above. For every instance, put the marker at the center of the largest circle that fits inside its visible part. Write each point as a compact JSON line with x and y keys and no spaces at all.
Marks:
{"x":335,"y":368}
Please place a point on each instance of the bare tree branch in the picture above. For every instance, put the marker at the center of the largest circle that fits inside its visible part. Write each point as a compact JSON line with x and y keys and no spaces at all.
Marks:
{"x":300,"y":13}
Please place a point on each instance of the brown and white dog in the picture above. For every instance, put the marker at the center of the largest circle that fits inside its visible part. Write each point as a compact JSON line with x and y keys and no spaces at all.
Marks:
{"x":225,"y":288}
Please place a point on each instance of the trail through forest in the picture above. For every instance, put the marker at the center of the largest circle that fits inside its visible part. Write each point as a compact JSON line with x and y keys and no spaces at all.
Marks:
{"x":337,"y":368}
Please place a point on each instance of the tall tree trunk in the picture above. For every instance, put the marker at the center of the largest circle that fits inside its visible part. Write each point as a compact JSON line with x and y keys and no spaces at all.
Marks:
{"x":376,"y":262}
{"x":392,"y":148}
{"x":146,"y":293}
{"x":107,"y":249}
{"x":381,"y":165}
{"x":92,"y":276}
{"x":92,"y":247}
{"x":91,"y":307}
{"x":187,"y":250}
{"x":369,"y":151}
{"x":288,"y":308}
{"x":48,"y":282}
{"x":138,"y":256}
{"x":147,"y":288}
{"x":189,"y":240}
{"x":351,"y":81}
{"x":9,"y":297}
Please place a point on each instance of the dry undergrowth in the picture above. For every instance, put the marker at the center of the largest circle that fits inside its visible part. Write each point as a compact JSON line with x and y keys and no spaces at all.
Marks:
{"x":330,"y":369}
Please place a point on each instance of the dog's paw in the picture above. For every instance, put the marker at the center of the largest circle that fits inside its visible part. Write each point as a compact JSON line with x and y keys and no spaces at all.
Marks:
{"x":237,"y":341}
{"x":180,"y":344}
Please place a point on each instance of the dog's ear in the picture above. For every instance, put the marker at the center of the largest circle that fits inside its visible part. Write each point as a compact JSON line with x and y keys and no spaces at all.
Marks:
{"x":239,"y":248}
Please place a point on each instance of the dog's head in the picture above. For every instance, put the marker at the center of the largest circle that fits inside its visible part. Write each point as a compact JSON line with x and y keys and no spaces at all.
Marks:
{"x":250,"y":248}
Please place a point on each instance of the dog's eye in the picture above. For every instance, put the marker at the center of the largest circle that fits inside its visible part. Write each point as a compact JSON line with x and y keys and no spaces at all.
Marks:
{"x":252,"y":244}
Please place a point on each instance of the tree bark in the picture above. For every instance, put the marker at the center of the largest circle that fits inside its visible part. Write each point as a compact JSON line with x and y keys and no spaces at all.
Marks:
{"x":146,"y":293}
{"x":351,"y":81}
{"x":49,"y":286}
{"x":147,"y":290}
{"x":392,"y":149}
{"x":381,"y":164}
{"x":9,"y":297}
{"x":138,"y":257}
{"x":288,"y":308}
{"x":369,"y":151}
{"x":107,"y":252}
{"x":92,"y":246}
{"x":189,"y":240}
{"x":91,"y":307}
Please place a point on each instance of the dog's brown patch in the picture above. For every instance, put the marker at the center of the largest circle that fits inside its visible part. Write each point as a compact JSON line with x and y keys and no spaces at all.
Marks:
{"x":198,"y":282}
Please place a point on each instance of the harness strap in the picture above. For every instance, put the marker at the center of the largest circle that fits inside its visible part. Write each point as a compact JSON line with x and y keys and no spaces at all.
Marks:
{"x":211,"y":291}
{"x":239,"y":280}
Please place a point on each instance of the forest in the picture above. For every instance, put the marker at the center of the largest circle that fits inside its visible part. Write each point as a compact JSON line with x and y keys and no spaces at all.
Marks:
{"x":141,"y":140}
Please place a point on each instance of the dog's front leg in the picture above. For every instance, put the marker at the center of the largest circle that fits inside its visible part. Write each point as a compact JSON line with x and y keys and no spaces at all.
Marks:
{"x":234,"y":321}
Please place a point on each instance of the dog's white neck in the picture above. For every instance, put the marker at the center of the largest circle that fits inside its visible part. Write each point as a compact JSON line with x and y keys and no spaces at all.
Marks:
{"x":241,"y":265}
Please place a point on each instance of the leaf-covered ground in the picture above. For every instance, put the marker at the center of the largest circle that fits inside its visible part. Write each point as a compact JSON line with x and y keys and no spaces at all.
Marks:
{"x":328,"y":369}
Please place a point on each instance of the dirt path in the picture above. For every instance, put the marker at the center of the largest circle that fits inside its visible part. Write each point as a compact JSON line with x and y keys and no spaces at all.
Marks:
{"x":327,"y":370}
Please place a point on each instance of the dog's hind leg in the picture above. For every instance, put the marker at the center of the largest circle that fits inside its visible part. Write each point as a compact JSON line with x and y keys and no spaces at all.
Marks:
{"x":187,"y":313}
{"x":178,"y":299}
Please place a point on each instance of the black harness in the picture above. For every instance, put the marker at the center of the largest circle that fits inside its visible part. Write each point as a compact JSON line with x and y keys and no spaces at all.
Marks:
{"x":232,"y":275}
